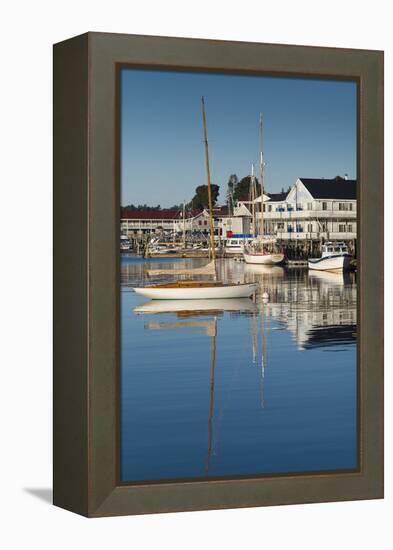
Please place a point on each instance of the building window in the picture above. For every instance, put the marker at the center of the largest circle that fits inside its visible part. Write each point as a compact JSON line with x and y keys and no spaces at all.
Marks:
{"x":349,"y":228}
{"x":269,"y":208}
{"x":344,"y":206}
{"x":324,"y":206}
{"x":350,"y":206}
{"x":309,"y":206}
{"x":341,"y":228}
{"x":309,"y":227}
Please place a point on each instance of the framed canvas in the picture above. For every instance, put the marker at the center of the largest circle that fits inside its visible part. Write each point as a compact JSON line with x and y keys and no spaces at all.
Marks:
{"x":229,"y":352}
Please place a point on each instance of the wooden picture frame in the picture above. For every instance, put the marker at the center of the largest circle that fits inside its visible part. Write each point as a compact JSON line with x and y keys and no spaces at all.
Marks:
{"x":86,"y":272}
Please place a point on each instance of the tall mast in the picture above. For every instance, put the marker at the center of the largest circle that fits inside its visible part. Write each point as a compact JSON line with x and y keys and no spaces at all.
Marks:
{"x":184,"y":224}
{"x":261,"y":174}
{"x":252,"y":184}
{"x":209,"y":189}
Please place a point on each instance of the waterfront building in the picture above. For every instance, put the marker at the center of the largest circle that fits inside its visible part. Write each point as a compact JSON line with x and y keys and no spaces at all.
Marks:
{"x":313,"y":209}
{"x":139,"y":223}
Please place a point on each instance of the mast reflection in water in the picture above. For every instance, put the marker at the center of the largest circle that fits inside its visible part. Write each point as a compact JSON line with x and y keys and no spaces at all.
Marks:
{"x":220,"y":388}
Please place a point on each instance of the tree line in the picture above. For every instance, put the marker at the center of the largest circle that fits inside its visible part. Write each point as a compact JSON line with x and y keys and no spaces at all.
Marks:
{"x":237,"y":190}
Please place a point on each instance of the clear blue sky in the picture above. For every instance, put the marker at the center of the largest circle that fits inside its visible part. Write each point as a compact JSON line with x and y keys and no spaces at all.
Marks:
{"x":309,"y":131}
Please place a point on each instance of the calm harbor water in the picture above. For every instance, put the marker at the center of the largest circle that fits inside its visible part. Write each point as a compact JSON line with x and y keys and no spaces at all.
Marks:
{"x":238,"y":387}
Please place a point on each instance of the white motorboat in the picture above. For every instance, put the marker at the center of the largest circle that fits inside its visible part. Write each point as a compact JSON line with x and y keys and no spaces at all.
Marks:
{"x":235,"y":245}
{"x":335,"y":257}
{"x":125,"y":243}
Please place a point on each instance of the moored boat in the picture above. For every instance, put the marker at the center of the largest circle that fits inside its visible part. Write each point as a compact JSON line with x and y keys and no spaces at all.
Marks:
{"x":235,"y":245}
{"x":197,"y":290}
{"x":335,"y":257}
{"x":125,"y":243}
{"x":263,"y":249}
{"x":263,"y":257}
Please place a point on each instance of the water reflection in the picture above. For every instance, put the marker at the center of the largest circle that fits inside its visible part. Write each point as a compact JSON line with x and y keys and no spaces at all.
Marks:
{"x":264,"y":355}
{"x":318,"y":308}
{"x":195,"y":307}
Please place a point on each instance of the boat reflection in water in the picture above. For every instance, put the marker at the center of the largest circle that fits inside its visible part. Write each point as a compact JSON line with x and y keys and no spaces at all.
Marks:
{"x":186,"y":309}
{"x":210,"y":328}
{"x":318,"y":308}
{"x":195,"y":307}
{"x":234,"y":387}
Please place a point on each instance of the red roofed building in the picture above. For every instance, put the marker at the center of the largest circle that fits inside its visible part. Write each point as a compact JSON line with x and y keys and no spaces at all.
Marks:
{"x":139,"y":222}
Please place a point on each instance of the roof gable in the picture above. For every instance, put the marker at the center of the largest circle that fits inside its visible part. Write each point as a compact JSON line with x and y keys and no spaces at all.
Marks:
{"x":337,"y":188}
{"x":277,"y":197}
{"x":241,"y":210}
{"x":299,"y":193}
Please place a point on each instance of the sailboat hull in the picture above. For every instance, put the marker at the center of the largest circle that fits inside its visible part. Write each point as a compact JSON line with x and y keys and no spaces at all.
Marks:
{"x":263,"y":259}
{"x":198,"y":293}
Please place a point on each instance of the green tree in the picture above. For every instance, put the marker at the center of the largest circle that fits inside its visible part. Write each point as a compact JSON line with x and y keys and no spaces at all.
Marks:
{"x":232,"y":183}
{"x":201,"y":200}
{"x":141,"y":207}
{"x":242,"y":189}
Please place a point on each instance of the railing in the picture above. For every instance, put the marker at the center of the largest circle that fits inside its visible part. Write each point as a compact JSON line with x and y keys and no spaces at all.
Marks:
{"x":309,"y":214}
{"x":306,"y":235}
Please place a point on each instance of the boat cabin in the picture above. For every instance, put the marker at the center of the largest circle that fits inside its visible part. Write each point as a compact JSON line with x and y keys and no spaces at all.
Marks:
{"x":334,"y":249}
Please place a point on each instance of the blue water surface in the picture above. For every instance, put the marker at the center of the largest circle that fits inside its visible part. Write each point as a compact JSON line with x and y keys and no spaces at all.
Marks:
{"x":252,"y":388}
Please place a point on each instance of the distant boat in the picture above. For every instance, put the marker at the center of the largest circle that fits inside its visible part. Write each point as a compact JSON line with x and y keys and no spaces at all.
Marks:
{"x":335,"y":257}
{"x":262,"y":249}
{"x":125,"y":243}
{"x":235,"y":245}
{"x":262,"y":257}
{"x":200,"y":290}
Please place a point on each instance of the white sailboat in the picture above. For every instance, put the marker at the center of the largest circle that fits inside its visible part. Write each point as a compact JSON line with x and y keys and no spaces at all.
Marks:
{"x":261,"y":250}
{"x":197,"y":290}
{"x":200,"y":290}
